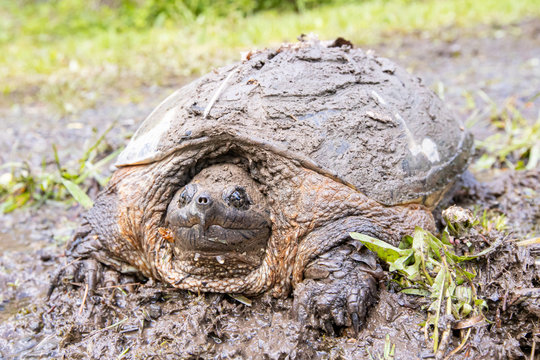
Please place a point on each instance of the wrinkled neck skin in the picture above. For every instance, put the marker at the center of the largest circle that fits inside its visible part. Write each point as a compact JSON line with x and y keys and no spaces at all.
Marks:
{"x":309,"y":213}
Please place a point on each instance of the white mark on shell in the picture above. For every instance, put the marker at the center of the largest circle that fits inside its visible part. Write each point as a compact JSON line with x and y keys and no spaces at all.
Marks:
{"x":220,"y":259}
{"x":378,"y":97}
{"x":218,"y":93}
{"x":428,"y":147}
{"x":143,"y":149}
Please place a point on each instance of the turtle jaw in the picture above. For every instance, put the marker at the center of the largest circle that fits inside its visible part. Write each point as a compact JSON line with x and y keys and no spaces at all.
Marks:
{"x":217,"y":230}
{"x":214,"y":251}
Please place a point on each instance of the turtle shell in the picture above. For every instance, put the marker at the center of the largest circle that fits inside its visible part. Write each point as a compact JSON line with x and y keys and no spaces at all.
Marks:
{"x":337,"y":110}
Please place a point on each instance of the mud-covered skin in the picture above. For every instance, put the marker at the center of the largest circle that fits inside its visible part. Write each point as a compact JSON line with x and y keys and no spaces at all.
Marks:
{"x":218,"y":224}
{"x":246,"y":200}
{"x":338,"y":288}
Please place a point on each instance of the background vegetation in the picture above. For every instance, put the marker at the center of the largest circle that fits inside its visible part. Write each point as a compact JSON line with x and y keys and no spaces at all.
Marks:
{"x":81,"y":50}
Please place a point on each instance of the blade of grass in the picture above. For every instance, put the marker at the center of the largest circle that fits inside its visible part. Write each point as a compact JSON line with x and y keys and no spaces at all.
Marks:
{"x":78,"y":194}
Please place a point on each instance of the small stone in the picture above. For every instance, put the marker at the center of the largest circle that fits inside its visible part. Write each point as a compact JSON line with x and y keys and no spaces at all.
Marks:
{"x":154,"y":311}
{"x":36,"y":326}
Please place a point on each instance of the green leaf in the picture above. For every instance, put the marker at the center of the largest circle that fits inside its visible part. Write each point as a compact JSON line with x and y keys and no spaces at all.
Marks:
{"x":489,"y":250}
{"x":534,"y":157}
{"x":14,"y":202}
{"x":418,"y":292}
{"x":406,"y":242}
{"x":78,"y":194}
{"x":384,"y":250}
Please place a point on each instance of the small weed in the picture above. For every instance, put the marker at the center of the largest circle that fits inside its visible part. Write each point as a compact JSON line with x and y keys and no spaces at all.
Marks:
{"x":23,"y":186}
{"x":123,"y":353}
{"x":492,"y":220}
{"x":428,"y":266}
{"x":515,"y":145}
{"x":388,"y":351}
{"x":15,"y":284}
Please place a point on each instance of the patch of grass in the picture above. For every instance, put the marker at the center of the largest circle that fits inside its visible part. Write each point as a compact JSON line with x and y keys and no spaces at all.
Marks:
{"x":71,"y":53}
{"x":22,"y":186}
{"x":388,"y":351}
{"x":515,"y":143}
{"x":425,"y":265}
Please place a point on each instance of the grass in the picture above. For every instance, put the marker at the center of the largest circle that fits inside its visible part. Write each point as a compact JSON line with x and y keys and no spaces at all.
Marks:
{"x":515,"y":143}
{"x":424,"y":265}
{"x":71,"y":53}
{"x":22,"y":186}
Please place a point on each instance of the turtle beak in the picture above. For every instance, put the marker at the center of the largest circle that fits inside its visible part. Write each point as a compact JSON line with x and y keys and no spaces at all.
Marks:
{"x":202,"y":206}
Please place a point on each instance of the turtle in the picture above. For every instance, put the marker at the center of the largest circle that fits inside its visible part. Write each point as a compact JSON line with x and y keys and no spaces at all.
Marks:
{"x":250,"y":179}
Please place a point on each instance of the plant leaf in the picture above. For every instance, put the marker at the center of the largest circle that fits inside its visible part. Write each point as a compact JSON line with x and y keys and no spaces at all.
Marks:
{"x":384,"y":250}
{"x":78,"y":194}
{"x":418,"y":292}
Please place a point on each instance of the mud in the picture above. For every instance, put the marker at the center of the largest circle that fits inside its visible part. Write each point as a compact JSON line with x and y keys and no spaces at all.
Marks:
{"x":153,"y":321}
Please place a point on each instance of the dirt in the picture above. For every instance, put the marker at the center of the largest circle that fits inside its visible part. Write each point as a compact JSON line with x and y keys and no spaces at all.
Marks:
{"x":149,"y":320}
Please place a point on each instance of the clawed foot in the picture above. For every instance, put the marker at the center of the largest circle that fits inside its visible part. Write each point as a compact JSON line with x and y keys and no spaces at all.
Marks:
{"x":81,"y":265}
{"x":78,"y":271}
{"x":342,"y":296}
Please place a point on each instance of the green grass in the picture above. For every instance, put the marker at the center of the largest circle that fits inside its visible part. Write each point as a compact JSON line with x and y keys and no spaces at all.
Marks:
{"x":515,"y":141}
{"x":71,"y":53}
{"x":424,"y":265}
{"x":21,"y":185}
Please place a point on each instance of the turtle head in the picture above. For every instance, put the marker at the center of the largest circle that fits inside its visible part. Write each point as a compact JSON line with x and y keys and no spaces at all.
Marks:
{"x":219,"y":223}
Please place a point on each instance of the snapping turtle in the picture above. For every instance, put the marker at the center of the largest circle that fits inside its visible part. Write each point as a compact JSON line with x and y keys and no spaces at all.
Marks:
{"x":251,"y":178}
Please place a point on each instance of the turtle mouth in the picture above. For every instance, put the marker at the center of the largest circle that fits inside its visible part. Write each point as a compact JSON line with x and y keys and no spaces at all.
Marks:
{"x":211,"y":238}
{"x":217,"y":238}
{"x":218,"y":252}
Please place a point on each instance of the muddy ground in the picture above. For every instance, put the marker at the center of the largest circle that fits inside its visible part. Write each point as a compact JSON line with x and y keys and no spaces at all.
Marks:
{"x":152,"y":321}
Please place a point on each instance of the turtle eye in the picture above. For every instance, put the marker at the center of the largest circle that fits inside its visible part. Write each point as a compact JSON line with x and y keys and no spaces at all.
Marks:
{"x":186,"y":195}
{"x":238,"y":198}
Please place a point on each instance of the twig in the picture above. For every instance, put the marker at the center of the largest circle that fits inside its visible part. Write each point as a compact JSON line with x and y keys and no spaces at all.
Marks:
{"x":460,"y":346}
{"x":70,"y":263}
{"x":118,"y":323}
{"x":533,"y":350}
{"x":445,"y":337}
{"x":118,"y":286}
{"x":84,"y":299}
{"x":293,"y":117}
{"x":528,"y":242}
{"x":123,"y":353}
{"x":217,"y":94}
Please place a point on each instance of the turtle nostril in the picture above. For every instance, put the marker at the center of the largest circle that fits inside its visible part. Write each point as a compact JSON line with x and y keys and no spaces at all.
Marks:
{"x":203,"y":199}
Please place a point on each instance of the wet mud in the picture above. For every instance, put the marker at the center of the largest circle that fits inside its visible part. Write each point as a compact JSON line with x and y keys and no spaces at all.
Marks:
{"x":147,"y":320}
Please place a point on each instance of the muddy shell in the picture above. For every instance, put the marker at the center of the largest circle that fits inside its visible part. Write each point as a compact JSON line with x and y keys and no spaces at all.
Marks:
{"x":340,"y":111}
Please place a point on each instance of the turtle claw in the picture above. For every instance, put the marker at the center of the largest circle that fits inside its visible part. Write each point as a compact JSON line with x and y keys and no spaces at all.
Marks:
{"x":331,"y":307}
{"x":81,"y":266}
{"x":355,"y":323}
{"x":340,"y":300}
{"x":78,"y":271}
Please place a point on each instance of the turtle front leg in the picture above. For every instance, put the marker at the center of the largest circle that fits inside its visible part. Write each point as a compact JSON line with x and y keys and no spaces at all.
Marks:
{"x":338,"y":288}
{"x":88,"y":262}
